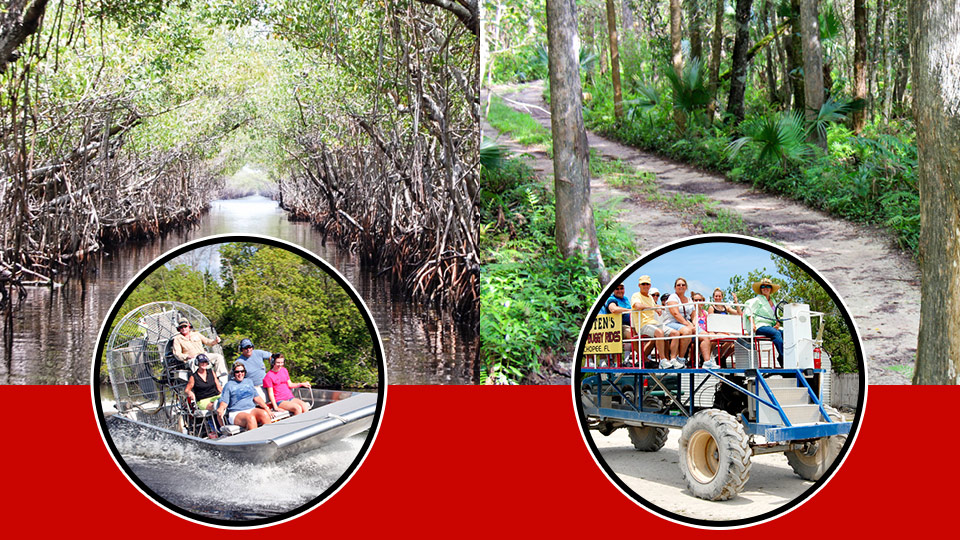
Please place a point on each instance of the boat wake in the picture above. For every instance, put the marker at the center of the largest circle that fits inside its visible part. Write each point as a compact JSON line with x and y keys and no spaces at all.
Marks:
{"x":199,"y":481}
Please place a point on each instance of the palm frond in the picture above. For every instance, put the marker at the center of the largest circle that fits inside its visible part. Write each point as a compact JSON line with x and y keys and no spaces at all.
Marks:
{"x":834,"y":110}
{"x":778,"y":139}
{"x":491,"y":154}
{"x":690,"y":87}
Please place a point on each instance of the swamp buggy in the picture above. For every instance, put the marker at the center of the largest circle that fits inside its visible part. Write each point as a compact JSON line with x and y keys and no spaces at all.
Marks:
{"x":726,"y":416}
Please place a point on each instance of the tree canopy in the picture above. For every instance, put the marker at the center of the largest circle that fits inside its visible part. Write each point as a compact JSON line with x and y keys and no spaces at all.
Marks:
{"x":282,"y":302}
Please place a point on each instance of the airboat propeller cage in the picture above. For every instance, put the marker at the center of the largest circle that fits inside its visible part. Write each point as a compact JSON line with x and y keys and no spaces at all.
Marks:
{"x":797,"y":338}
{"x":140,"y":358}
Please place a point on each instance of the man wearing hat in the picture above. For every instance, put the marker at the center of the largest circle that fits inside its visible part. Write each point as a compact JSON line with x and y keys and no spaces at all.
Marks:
{"x":762,"y":308}
{"x":189,"y":343}
{"x":644,"y":302}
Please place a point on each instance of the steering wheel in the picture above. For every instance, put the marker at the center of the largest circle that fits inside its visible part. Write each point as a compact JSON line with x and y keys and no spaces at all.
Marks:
{"x":778,"y":312}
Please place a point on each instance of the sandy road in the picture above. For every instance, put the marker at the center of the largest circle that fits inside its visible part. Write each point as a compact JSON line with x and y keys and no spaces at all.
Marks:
{"x":879,"y":282}
{"x":655,"y":476}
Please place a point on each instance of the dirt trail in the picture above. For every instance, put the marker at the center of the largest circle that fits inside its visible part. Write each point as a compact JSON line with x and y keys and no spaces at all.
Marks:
{"x":879,"y":282}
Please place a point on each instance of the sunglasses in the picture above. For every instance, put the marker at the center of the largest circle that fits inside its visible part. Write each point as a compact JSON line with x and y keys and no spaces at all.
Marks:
{"x":239,"y":371}
{"x":766,"y":287}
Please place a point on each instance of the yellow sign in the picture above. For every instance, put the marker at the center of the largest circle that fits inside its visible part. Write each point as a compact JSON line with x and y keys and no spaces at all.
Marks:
{"x":605,"y":335}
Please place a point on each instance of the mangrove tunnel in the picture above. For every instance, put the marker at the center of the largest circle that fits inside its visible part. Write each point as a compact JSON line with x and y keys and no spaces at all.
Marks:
{"x":121,"y":119}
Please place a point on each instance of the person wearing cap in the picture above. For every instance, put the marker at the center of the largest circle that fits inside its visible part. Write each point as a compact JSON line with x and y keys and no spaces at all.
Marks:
{"x":254,"y":360}
{"x":645,"y":303}
{"x":240,"y":401}
{"x":761,"y":308}
{"x":203,"y":387}
{"x":189,"y":343}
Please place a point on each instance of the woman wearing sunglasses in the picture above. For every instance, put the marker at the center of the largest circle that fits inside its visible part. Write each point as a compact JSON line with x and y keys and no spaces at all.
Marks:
{"x":241,"y":403}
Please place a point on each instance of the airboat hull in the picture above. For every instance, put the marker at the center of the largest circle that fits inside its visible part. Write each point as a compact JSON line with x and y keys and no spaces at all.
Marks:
{"x":283,"y":439}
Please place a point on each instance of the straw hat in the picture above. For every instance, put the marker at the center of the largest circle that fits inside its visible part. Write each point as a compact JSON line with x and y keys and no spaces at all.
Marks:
{"x":765,"y":281}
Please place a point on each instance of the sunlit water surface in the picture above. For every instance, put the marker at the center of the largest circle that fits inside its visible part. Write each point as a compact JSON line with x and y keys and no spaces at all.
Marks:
{"x":50,"y":338}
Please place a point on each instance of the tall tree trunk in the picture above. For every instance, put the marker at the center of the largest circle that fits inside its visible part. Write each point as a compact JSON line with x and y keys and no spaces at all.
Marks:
{"x":878,"y":57}
{"x":903,"y":64}
{"x":795,"y":58}
{"x":771,"y":76}
{"x":576,"y":233}
{"x":935,"y":42}
{"x":787,"y":87}
{"x":812,"y":66}
{"x":676,"y":37}
{"x":716,"y":48}
{"x":629,"y":22}
{"x":859,"y":61}
{"x":695,"y":20}
{"x":738,"y":72}
{"x":614,"y":59}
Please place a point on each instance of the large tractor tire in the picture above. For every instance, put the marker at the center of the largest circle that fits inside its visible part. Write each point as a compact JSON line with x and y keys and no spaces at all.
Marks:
{"x":812,"y":463}
{"x":648,"y":438}
{"x":714,"y":455}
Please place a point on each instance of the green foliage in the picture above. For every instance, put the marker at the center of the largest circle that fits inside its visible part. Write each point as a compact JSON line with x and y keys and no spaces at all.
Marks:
{"x":533,"y":299}
{"x":833,"y":111}
{"x":779,"y":139}
{"x":287,"y":304}
{"x":280,"y":301}
{"x":491,"y":154}
{"x":689,"y":88}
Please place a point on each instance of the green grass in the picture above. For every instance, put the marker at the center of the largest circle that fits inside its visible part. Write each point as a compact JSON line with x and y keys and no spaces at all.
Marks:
{"x":522,"y":127}
{"x":905,"y":370}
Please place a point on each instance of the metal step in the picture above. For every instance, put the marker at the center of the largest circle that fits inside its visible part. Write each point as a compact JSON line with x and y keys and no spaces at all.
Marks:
{"x":802,"y":414}
{"x":792,"y":396}
{"x":781,"y":382}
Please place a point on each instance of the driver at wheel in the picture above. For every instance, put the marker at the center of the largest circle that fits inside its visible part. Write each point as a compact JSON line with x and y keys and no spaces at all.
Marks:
{"x":762,"y":308}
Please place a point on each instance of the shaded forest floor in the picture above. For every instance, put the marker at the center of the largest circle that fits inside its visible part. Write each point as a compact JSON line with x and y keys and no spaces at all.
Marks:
{"x":879,"y":282}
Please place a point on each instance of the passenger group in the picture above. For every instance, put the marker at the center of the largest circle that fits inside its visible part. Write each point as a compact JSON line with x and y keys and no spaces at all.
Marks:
{"x":252,"y":395}
{"x":675,"y":320}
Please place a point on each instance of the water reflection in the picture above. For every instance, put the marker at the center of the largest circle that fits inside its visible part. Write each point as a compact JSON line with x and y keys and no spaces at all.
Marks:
{"x":51,"y":337}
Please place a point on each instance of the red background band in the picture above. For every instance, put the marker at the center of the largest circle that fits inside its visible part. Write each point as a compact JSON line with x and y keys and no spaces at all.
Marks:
{"x":490,"y":461}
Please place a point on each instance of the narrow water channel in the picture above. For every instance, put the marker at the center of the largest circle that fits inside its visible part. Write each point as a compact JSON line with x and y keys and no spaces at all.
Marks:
{"x":50,"y":338}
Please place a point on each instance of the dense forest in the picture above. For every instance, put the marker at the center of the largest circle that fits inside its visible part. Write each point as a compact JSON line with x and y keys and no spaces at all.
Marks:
{"x":122,"y":118}
{"x":724,"y":85}
{"x":279,"y":300}
{"x":818,"y":100}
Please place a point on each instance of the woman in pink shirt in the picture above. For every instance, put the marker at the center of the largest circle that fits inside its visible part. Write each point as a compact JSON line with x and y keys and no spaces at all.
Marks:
{"x":278,"y":385}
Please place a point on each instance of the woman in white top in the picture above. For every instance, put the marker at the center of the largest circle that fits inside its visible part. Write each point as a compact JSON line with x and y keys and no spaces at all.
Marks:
{"x":680,"y":320}
{"x":725,"y":349}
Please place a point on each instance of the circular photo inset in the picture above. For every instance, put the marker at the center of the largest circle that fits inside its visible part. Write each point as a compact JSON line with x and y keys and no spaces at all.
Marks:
{"x":238,"y":380}
{"x":719,"y":381}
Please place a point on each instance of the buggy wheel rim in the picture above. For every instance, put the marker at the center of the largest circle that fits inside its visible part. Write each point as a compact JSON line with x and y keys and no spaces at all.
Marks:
{"x":703,"y":457}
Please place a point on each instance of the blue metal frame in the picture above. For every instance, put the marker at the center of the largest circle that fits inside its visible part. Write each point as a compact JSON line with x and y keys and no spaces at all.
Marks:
{"x":771,"y":432}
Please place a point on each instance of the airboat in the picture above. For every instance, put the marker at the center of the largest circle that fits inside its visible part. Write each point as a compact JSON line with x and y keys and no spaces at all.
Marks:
{"x":149,"y":383}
